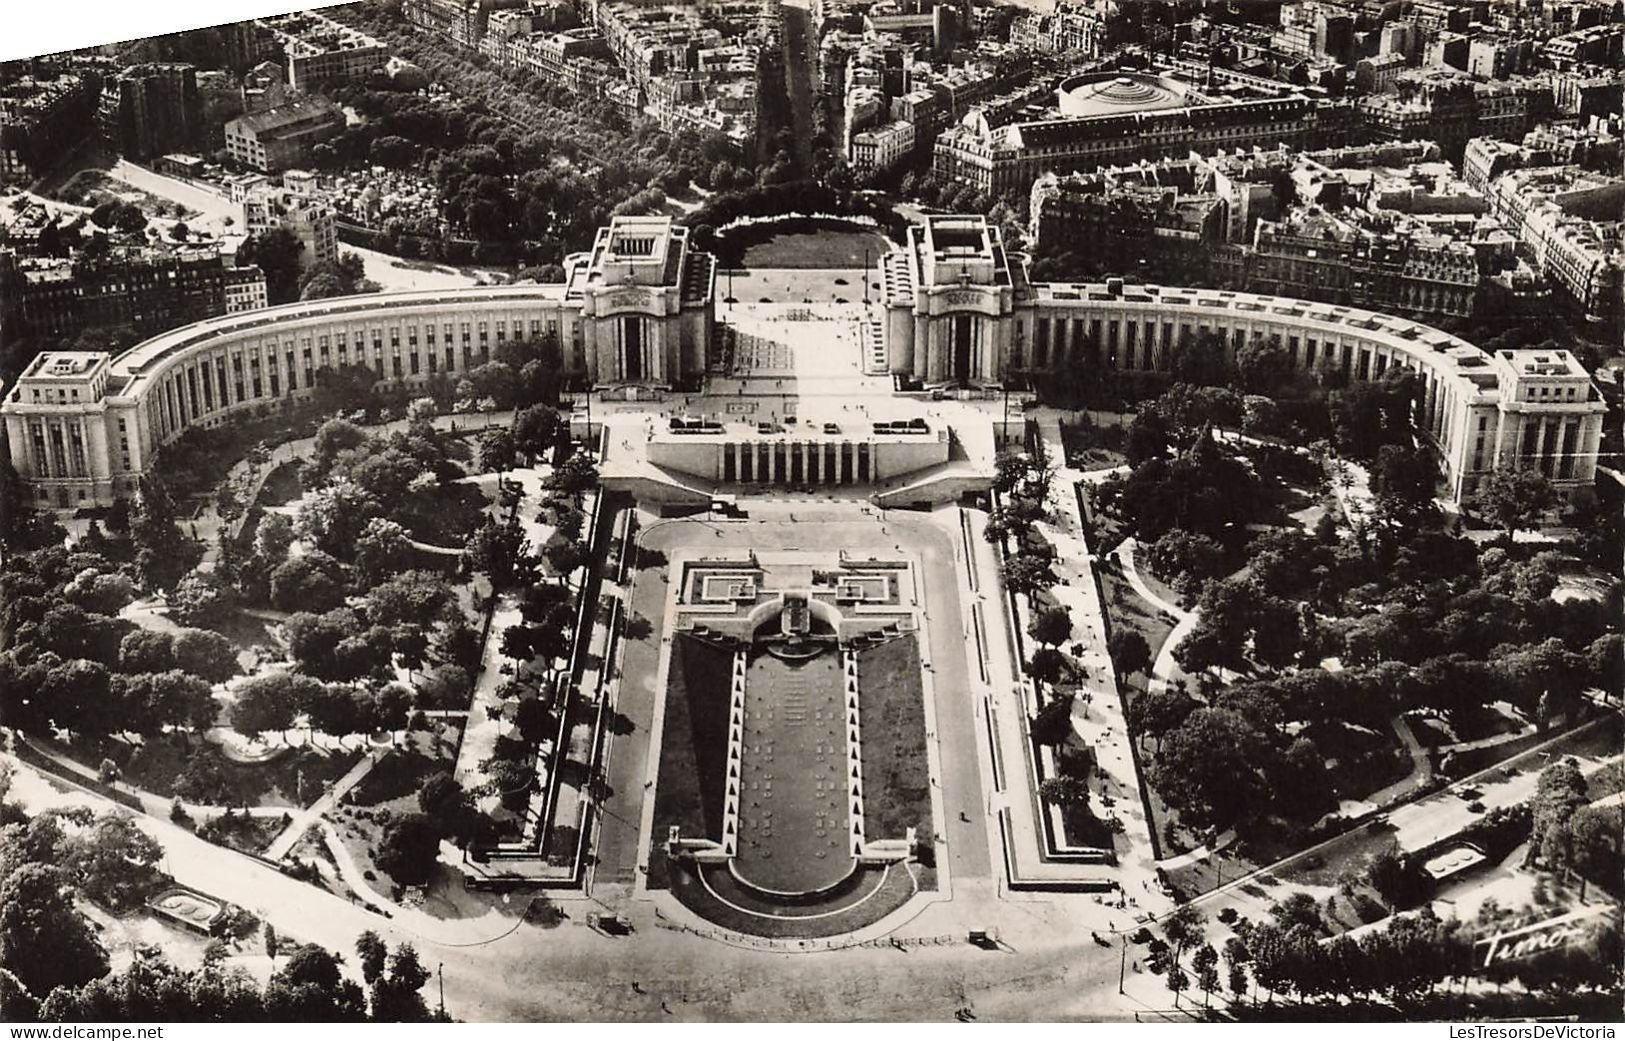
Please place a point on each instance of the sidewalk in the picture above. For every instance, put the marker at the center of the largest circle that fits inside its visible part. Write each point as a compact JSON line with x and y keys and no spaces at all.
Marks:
{"x":1098,"y":718}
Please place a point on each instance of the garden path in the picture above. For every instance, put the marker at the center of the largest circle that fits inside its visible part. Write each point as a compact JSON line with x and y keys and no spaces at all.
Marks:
{"x":289,"y":837}
{"x":1164,"y":670}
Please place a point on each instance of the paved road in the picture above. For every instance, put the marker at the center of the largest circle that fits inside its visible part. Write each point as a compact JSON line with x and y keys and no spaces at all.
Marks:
{"x":1413,"y":825}
{"x":499,"y":970}
{"x":798,"y":58}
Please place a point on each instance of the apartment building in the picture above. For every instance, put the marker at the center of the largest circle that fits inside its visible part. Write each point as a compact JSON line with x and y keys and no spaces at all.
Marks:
{"x":282,"y":137}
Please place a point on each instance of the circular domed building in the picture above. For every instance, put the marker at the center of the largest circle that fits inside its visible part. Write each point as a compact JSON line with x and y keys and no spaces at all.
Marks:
{"x":1119,"y":94}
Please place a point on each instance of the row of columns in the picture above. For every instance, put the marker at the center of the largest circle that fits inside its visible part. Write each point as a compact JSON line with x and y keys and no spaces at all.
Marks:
{"x":800,"y":462}
{"x":1555,"y":442}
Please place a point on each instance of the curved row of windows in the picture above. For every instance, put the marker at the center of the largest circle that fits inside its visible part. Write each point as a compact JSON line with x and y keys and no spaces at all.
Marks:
{"x":203,"y":373}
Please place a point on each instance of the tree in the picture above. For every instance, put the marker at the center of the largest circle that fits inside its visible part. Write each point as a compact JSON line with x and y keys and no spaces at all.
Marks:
{"x":1047,"y":665}
{"x":1593,"y":844}
{"x":1184,"y":927}
{"x":320,"y":285}
{"x":382,"y":549}
{"x":1514,"y":497}
{"x":1263,"y":365}
{"x":1065,"y":790}
{"x":201,"y":599}
{"x":44,"y":941}
{"x":333,"y":438}
{"x":272,"y":943}
{"x":497,"y":451}
{"x":312,"y":581}
{"x":389,"y":707}
{"x":1177,"y":981}
{"x":1185,"y":559}
{"x":1371,"y":413}
{"x":100,"y":592}
{"x":1011,"y":469}
{"x":112,"y":860}
{"x":270,"y":702}
{"x":1209,"y":768}
{"x":310,"y":989}
{"x":459,"y":644}
{"x":575,"y":475}
{"x":1402,"y":479}
{"x":163,"y":554}
{"x":563,"y":555}
{"x":204,"y":779}
{"x":207,"y":655}
{"x":1559,"y":794}
{"x":333,"y":517}
{"x":411,"y":598}
{"x":16,"y":1004}
{"x":130,"y":219}
{"x":1206,"y":964}
{"x":1605,"y":659}
{"x":1051,"y":625}
{"x":1147,"y":437}
{"x":1298,"y":911}
{"x":1129,"y":651}
{"x":439,"y":793}
{"x":501,"y":553}
{"x":1026,"y":573}
{"x":276,"y":251}
{"x":151,"y":701}
{"x":1154,"y":714}
{"x":536,"y":430}
{"x":397,"y":996}
{"x":1236,"y":958}
{"x":372,"y":952}
{"x":334,"y":709}
{"x":272,"y":540}
{"x":444,"y":686}
{"x":409,"y":848}
{"x":1397,"y":879}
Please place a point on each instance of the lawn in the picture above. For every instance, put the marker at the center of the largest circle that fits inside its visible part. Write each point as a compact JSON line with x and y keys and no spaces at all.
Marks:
{"x":1090,"y":447}
{"x":1359,"y":761}
{"x":1126,"y":609}
{"x":241,"y":832}
{"x":1079,"y":824}
{"x":693,"y":743}
{"x":93,"y":187}
{"x":283,"y":485}
{"x":896,"y":774}
{"x":323,"y":871}
{"x":394,"y":781}
{"x":388,"y":791}
{"x":157,"y":763}
{"x":245,"y":631}
{"x":842,"y":246}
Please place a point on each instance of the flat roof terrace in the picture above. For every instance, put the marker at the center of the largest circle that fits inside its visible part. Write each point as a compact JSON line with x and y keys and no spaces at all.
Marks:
{"x":1450,"y":357}
{"x":725,"y":432}
{"x":136,"y":361}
